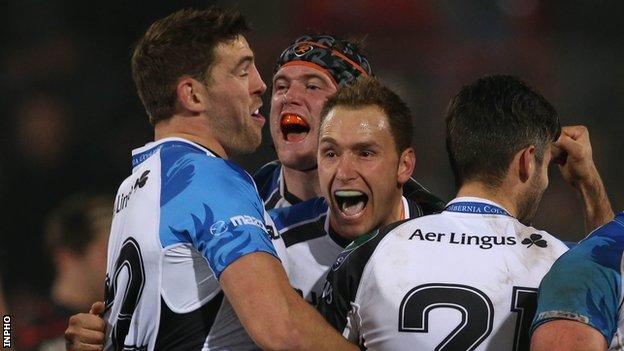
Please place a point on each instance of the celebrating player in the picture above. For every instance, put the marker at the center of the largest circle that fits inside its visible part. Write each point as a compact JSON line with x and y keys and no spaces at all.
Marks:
{"x":580,"y":299}
{"x":308,"y":71}
{"x":364,"y":159}
{"x":190,"y":264}
{"x":466,"y":279}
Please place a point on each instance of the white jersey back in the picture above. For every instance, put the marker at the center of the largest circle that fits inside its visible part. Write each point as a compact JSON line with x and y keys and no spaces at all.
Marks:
{"x":464,"y":279}
{"x":180,"y":219}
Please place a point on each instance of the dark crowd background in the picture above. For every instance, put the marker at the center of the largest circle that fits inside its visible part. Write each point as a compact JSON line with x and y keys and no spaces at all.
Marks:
{"x":70,"y":114}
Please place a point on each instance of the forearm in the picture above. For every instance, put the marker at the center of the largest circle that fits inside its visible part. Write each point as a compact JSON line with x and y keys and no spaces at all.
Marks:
{"x":273,"y":314}
{"x":596,"y":205}
{"x":312,"y":331}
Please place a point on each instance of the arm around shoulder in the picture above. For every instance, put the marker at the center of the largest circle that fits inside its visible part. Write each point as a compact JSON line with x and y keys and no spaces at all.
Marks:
{"x":273,"y":314}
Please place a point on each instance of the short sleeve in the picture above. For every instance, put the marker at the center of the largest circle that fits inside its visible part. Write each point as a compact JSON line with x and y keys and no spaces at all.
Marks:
{"x":212,"y":204}
{"x":584,"y":285}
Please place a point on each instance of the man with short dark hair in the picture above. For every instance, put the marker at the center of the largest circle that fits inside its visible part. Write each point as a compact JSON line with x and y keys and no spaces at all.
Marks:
{"x":466,"y":279}
{"x":190,"y":262}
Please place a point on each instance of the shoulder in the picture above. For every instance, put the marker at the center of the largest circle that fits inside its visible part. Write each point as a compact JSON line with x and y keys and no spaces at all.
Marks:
{"x":352,"y":261}
{"x":266,"y":177}
{"x":193,"y":167}
{"x":584,"y":284}
{"x":418,"y":194}
{"x":603,"y":247}
{"x":300,"y":222}
{"x":299,"y":213}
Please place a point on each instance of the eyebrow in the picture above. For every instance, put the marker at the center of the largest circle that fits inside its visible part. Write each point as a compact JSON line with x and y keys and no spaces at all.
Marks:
{"x":360,"y":145}
{"x":327,"y":140}
{"x":243,"y":60}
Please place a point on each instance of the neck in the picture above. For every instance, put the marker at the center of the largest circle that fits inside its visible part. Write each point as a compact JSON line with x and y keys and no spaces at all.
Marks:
{"x":304,"y":185}
{"x":189,"y":128}
{"x":498,"y":195}
{"x":71,"y":291}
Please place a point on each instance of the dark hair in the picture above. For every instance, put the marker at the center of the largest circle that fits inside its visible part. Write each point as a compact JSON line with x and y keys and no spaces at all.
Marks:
{"x":368,"y":91}
{"x":489,"y":121}
{"x":74,"y":224}
{"x":181,"y":44}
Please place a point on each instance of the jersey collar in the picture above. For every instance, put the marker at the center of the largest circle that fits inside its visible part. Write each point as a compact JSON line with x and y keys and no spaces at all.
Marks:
{"x":475,"y":205}
{"x":143,"y":153}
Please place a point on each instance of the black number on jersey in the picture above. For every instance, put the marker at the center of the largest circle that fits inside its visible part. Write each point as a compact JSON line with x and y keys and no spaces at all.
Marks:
{"x":476,"y":310}
{"x":523,"y":302}
{"x":131,"y":260}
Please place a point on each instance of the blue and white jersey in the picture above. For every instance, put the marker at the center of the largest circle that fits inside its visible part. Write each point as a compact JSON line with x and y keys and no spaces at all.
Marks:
{"x":179,"y":220}
{"x":585,"y":284}
{"x":311,"y":245}
{"x":272,"y":188}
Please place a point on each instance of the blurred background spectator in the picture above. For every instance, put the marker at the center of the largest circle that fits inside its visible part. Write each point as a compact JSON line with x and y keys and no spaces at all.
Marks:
{"x":75,"y":236}
{"x":72,"y":115}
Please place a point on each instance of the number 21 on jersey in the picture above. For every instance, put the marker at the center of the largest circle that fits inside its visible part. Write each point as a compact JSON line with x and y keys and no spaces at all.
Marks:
{"x":476,"y":309}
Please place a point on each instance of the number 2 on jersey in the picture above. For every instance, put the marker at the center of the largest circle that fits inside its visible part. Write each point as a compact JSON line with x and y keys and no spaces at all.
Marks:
{"x":131,"y":260}
{"x":476,"y":309}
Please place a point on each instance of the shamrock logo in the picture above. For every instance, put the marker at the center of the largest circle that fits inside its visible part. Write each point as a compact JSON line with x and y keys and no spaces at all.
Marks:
{"x":535,"y":239}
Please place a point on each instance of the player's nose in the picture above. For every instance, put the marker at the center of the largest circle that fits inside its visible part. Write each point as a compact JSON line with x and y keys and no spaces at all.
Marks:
{"x":346,"y":170}
{"x":256,"y":85}
{"x":294,"y":95}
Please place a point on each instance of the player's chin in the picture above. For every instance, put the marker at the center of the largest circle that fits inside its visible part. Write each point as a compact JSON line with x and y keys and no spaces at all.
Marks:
{"x":246,"y":144}
{"x":295,"y":158}
{"x":353,"y":230}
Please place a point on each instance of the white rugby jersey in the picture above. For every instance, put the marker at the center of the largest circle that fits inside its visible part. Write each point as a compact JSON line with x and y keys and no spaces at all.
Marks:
{"x":179,"y":220}
{"x":464,"y":279}
{"x":311,"y":245}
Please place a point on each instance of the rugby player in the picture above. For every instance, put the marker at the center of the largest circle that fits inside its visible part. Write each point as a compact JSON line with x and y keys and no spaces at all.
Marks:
{"x":190,"y":263}
{"x":467,"y":278}
{"x":308,"y":71}
{"x":580,"y":299}
{"x":364,"y":160}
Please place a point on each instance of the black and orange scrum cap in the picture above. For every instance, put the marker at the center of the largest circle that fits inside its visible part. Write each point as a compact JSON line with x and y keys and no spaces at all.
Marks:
{"x":338,"y":58}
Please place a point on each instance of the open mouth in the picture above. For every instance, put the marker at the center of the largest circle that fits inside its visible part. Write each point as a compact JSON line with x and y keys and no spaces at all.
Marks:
{"x":294,"y":127}
{"x":350,"y":202}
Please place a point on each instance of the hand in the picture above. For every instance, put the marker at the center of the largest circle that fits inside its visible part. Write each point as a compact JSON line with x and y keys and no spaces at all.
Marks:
{"x":575,"y":158}
{"x":86,"y":330}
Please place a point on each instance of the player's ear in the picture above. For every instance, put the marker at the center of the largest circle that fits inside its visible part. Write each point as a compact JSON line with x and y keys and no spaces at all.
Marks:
{"x":525,"y":160}
{"x":190,"y":95}
{"x":407,"y":162}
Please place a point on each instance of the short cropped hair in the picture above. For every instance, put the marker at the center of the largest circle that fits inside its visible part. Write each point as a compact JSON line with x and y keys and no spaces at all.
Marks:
{"x":181,"y":44}
{"x":368,"y":91}
{"x":492,"y":119}
{"x":75,"y":223}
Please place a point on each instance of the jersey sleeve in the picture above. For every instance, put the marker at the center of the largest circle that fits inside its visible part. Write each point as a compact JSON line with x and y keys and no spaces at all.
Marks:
{"x":584,"y":285}
{"x":213,"y":205}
